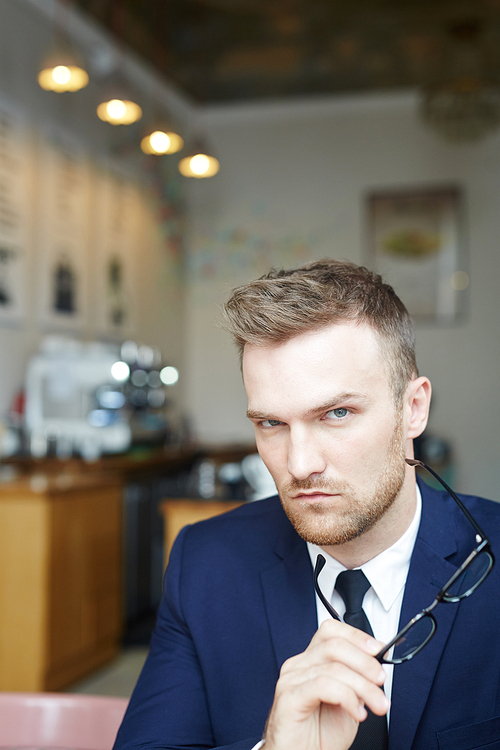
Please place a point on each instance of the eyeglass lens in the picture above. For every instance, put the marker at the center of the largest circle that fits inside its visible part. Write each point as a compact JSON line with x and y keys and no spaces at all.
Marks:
{"x":421,"y":631}
{"x":470,"y":579}
{"x":412,"y":641}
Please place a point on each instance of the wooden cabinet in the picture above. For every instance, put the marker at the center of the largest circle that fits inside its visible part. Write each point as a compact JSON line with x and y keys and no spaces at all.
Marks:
{"x":60,"y":579}
{"x":181,"y":512}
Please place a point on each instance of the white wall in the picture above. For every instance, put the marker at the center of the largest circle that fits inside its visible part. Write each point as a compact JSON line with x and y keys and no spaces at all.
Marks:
{"x":26,"y":36}
{"x":291,"y":188}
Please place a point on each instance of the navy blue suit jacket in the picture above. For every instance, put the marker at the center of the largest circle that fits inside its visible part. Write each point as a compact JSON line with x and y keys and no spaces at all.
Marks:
{"x":239,"y":600}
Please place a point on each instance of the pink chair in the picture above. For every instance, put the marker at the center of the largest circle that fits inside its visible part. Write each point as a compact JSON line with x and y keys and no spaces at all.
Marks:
{"x":60,"y":720}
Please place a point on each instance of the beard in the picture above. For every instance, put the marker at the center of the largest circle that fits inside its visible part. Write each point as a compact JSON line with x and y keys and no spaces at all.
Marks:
{"x":325,"y":525}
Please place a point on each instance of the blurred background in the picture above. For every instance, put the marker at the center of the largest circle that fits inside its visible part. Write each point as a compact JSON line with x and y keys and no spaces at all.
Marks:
{"x":155,"y":154}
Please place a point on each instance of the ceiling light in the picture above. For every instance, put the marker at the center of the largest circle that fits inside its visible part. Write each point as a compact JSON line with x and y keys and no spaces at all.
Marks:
{"x":63,"y":69}
{"x":117,"y":104}
{"x":199,"y":164}
{"x":119,"y":111}
{"x":161,"y":141}
{"x":465,"y":107}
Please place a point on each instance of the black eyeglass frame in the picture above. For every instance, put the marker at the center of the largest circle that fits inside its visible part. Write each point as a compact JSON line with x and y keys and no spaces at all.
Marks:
{"x":482,"y":546}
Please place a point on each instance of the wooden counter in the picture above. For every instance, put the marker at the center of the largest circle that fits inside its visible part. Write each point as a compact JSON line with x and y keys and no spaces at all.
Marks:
{"x":60,"y":578}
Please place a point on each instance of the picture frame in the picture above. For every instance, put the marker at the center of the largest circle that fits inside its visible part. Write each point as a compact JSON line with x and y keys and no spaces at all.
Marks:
{"x":63,"y":209}
{"x":416,"y":242}
{"x":15,"y":189}
{"x":118,"y":237}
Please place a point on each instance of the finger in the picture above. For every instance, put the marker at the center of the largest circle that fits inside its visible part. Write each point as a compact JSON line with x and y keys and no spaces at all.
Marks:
{"x":299,"y":711}
{"x":330,"y":691}
{"x":316,"y":679}
{"x":337,"y":650}
{"x":334,"y":628}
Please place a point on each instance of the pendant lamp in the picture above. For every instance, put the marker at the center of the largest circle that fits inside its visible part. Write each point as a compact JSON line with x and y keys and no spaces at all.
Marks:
{"x":117,"y":104}
{"x":199,"y":163}
{"x":161,"y":138}
{"x":62,"y":69}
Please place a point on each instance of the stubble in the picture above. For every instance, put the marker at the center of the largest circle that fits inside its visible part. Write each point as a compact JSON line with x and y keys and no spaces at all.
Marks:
{"x":326,"y":525}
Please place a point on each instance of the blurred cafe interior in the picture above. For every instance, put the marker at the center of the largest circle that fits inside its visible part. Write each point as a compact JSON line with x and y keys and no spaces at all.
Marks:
{"x":153,"y":155}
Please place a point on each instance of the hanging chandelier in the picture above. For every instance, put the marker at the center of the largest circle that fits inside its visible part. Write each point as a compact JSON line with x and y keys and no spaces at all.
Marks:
{"x":466,"y":109}
{"x":466,"y":106}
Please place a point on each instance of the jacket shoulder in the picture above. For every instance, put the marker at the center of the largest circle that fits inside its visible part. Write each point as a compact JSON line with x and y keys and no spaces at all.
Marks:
{"x":442,"y":515}
{"x":252,"y":531}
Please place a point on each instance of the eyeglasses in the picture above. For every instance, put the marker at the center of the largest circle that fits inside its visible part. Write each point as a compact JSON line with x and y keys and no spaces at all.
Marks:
{"x":419,"y":631}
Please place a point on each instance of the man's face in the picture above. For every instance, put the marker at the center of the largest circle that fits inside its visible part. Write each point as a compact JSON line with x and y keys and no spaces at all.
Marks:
{"x":328,"y":430}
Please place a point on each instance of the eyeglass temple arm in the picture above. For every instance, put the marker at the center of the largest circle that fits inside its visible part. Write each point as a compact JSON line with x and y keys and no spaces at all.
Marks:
{"x":416,"y":462}
{"x":320,"y":564}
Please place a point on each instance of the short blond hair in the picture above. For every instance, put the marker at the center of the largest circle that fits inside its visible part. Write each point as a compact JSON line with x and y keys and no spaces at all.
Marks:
{"x":285,"y":303}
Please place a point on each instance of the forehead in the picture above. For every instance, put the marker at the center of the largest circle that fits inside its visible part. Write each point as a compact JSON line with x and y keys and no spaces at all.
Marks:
{"x":339,"y":358}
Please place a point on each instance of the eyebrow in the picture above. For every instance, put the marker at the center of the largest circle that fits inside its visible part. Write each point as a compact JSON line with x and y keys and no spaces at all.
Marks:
{"x":328,"y":405}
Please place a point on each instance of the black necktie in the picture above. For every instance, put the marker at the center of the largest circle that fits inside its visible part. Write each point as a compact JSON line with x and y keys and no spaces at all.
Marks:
{"x":352,"y":585}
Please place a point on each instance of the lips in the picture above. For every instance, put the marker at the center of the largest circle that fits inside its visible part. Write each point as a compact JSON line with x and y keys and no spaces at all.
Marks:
{"x":311,"y":497}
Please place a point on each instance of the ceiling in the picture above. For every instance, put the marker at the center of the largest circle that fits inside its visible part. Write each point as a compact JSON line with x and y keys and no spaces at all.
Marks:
{"x":240,"y":50}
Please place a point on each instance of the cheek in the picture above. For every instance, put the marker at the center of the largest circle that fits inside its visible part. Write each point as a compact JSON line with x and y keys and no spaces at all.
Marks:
{"x":360,"y":452}
{"x":273,"y":455}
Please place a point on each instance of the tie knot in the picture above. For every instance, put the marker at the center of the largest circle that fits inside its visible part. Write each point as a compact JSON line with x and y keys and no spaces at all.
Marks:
{"x":352,"y":585}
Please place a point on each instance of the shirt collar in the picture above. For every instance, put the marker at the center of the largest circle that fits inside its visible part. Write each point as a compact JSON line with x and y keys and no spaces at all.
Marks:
{"x":387,"y":572}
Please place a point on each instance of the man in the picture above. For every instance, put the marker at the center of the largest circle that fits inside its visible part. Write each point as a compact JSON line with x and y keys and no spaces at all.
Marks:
{"x":237,"y":655}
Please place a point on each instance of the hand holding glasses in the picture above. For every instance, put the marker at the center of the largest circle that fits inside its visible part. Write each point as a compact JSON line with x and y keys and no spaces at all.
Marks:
{"x":419,"y":631}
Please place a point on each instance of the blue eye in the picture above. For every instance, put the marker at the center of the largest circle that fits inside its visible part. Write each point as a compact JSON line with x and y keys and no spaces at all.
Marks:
{"x":338,"y":413}
{"x":270,"y":422}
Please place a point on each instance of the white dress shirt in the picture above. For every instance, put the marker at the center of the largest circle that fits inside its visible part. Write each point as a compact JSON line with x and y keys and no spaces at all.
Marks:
{"x":387,"y":573}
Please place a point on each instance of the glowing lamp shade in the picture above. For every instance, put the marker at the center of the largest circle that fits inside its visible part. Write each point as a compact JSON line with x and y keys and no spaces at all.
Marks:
{"x":199,"y":166}
{"x":61,"y":78}
{"x":162,"y":142}
{"x":119,"y":111}
{"x":63,"y":67}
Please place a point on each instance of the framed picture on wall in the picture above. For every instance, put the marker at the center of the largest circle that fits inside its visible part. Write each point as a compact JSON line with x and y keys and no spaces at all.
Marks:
{"x":63,"y":209}
{"x":14,"y":213}
{"x":118,"y":242}
{"x":416,"y":241}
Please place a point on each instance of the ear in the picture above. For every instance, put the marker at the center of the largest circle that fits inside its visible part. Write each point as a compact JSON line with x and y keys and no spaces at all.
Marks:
{"x":417,"y":402}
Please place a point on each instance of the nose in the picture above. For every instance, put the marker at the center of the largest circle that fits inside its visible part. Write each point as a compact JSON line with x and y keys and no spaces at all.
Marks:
{"x":305,"y":456}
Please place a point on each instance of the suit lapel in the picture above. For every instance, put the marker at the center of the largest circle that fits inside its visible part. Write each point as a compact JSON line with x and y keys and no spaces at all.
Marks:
{"x":290,"y":604}
{"x":429,"y":570}
{"x":289,"y":598}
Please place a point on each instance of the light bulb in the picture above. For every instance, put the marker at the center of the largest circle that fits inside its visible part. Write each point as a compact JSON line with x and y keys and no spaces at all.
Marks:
{"x":62,"y":78}
{"x":116,"y":109}
{"x":119,"y":111}
{"x":61,"y":74}
{"x":160,"y":142}
{"x":199,"y":164}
